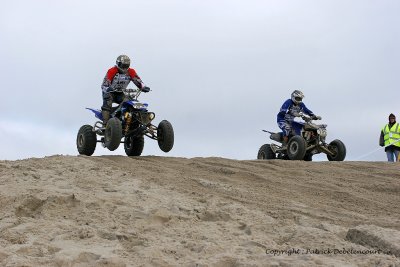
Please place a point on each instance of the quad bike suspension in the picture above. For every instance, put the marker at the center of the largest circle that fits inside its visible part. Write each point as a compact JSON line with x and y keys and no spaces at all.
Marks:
{"x":128,"y":119}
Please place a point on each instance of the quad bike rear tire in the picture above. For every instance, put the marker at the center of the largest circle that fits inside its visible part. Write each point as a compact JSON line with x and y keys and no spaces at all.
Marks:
{"x":265,"y":152}
{"x":296,"y":148}
{"x":134,"y":145}
{"x":165,"y":136}
{"x":339,"y":150}
{"x":113,"y":134}
{"x":86,"y":140}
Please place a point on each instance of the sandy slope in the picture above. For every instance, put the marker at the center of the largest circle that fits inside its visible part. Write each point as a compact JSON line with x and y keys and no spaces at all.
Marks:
{"x":159,"y":211}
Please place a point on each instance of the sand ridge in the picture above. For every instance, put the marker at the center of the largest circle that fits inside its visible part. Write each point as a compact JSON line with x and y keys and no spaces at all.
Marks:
{"x":164,"y":211}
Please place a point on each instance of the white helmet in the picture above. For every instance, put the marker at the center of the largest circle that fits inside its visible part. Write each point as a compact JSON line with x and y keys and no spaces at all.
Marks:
{"x":297,"y":96}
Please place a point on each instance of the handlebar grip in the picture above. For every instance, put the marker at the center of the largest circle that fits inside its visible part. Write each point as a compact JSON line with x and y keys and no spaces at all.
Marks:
{"x":145,"y":89}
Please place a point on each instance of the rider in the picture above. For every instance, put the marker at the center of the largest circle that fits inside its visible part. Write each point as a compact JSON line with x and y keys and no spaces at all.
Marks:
{"x":290,"y":109}
{"x":116,"y":79}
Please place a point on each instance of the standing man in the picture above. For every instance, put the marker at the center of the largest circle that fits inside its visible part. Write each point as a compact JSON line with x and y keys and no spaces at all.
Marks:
{"x":390,"y":139}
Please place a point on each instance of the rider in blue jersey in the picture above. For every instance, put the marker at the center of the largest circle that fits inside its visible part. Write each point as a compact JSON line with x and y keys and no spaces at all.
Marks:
{"x":289,"y":110}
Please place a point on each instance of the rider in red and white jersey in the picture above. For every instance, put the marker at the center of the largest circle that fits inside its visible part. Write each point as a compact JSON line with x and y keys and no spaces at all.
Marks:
{"x":117,"y":79}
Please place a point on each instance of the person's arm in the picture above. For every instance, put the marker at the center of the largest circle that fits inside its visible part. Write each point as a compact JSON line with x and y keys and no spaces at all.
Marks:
{"x":136,"y":79}
{"x":106,"y":85}
{"x":306,"y":110}
{"x":284,"y":109}
{"x":310,"y":113}
{"x":381,"y":140}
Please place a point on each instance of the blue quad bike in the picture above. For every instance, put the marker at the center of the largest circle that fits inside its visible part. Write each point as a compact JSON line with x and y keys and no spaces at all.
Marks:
{"x":130,"y":121}
{"x":306,"y":140}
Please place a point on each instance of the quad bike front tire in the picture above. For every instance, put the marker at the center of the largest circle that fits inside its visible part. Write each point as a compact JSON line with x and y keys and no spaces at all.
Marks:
{"x":265,"y":152}
{"x":165,"y":136}
{"x":86,"y":140}
{"x":134,"y":145}
{"x":113,"y":134}
{"x":296,"y":148}
{"x":339,"y":150}
{"x":308,"y":157}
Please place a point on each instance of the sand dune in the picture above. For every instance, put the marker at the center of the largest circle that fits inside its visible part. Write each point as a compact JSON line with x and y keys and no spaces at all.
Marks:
{"x":160,"y":211}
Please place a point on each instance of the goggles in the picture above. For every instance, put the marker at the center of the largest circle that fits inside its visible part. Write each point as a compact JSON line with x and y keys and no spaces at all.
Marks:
{"x":123,"y":66}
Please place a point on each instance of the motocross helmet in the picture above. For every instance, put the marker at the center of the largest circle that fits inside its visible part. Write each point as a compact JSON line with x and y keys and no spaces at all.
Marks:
{"x":123,"y":62}
{"x":297,"y":96}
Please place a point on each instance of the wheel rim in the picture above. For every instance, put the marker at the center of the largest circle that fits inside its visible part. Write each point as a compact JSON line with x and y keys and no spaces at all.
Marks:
{"x":80,"y":140}
{"x":262,"y":155}
{"x":293,"y":148}
{"x":128,"y":142}
{"x":335,"y":151}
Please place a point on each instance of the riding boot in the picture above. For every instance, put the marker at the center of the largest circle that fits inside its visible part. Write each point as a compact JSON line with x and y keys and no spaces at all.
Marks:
{"x":106,"y":116}
{"x":285,"y":141}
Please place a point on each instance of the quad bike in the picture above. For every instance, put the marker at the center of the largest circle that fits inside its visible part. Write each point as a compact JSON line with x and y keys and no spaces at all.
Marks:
{"x":306,"y":140}
{"x":129,"y":120}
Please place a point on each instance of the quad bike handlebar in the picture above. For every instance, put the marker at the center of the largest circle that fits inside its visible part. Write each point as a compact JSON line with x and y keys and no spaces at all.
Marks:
{"x":133,"y":93}
{"x":306,"y":117}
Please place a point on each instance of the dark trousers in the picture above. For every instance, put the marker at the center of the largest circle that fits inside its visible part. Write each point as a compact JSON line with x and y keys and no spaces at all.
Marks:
{"x":109,"y":98}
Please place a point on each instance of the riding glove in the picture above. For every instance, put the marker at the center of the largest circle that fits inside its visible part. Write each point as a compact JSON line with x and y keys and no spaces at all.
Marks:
{"x":145,"y":89}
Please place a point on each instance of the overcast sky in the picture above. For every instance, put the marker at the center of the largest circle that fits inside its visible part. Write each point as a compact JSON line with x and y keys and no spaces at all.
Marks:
{"x":219,"y":70}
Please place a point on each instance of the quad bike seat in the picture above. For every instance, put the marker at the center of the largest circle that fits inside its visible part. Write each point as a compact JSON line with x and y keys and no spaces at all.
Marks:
{"x":277,"y":137}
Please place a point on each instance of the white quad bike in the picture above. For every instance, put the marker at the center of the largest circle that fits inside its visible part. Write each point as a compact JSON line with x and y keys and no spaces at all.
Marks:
{"x":306,"y":140}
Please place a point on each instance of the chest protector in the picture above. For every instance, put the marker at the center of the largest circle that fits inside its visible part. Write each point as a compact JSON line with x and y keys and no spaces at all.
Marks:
{"x":120,"y":81}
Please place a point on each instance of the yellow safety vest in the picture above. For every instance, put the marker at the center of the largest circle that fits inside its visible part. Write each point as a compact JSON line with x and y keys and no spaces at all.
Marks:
{"x":391,"y":135}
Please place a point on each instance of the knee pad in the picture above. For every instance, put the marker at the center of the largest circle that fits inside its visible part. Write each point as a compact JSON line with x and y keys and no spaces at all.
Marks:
{"x":107,"y":96}
{"x":107,"y":103}
{"x":105,"y":108}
